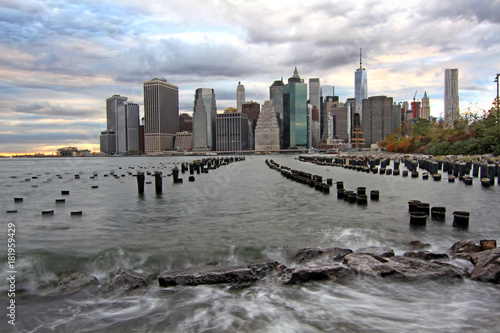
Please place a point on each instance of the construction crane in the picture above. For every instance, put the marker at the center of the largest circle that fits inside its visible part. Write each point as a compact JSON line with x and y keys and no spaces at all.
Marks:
{"x":415,"y":95}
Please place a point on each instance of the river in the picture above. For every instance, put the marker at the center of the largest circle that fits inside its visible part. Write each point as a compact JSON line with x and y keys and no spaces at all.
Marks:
{"x":239,"y":214}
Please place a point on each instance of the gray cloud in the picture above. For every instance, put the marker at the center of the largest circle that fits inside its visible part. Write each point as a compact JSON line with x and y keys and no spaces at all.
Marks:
{"x":56,"y":51}
{"x":48,"y":109}
{"x":479,"y":10}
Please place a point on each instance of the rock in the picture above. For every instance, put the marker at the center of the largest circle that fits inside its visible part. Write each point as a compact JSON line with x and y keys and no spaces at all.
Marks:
{"x":333,"y":253}
{"x":487,"y":244}
{"x":73,"y":283}
{"x":264,"y":269}
{"x":126,"y":279}
{"x":486,"y":266}
{"x":426,"y":255}
{"x":464,"y":246}
{"x":307,"y":254}
{"x":366,"y":264}
{"x":237,"y":276}
{"x":399,"y":267}
{"x":335,"y":273}
{"x":376,"y":251}
{"x":416,"y":244}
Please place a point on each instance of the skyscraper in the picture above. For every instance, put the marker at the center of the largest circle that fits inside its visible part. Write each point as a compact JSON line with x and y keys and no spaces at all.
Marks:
{"x":232,"y":132}
{"x":295,"y":112}
{"x":341,"y":121}
{"x":426,"y":107}
{"x":451,"y":98}
{"x":161,"y":115}
{"x":327,"y":91}
{"x":240,"y":96}
{"x":267,"y":132}
{"x":377,"y":118}
{"x":360,"y":87}
{"x":204,"y":119}
{"x":109,"y":138}
{"x":315,"y":103}
{"x":112,"y":104}
{"x":252,"y":110}
{"x":276,"y":96}
{"x":128,"y":127}
{"x":396,"y":115}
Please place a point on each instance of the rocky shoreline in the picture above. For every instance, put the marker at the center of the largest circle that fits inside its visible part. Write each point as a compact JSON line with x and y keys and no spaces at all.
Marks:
{"x":479,"y":262}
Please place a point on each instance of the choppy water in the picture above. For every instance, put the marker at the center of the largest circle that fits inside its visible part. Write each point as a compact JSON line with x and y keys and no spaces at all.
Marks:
{"x":234,"y":216}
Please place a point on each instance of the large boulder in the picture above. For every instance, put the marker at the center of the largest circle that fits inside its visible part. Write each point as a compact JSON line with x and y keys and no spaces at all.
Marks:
{"x":376,"y":251}
{"x":487,"y":244}
{"x":486,"y":266}
{"x":464,"y":247}
{"x":74,"y":283}
{"x":309,"y":254}
{"x":264,"y":269}
{"x":235,"y":276}
{"x":126,"y":279}
{"x":416,"y":244}
{"x":336,"y":273}
{"x":399,"y":267}
{"x":426,"y":255}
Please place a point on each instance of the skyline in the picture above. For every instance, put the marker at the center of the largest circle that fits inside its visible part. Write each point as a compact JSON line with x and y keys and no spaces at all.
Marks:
{"x":59,"y":61}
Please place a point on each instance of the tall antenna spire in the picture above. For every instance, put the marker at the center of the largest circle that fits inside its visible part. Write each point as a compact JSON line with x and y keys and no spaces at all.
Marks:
{"x":360,"y":62}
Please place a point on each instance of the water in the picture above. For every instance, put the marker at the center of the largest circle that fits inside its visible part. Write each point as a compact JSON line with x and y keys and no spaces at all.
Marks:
{"x":236,"y":215}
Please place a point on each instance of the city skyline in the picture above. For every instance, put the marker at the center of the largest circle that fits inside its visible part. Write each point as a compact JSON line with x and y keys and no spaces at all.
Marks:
{"x":61,"y":60}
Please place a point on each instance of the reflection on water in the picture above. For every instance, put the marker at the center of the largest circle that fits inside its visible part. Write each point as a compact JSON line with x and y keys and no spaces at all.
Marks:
{"x":239,"y":214}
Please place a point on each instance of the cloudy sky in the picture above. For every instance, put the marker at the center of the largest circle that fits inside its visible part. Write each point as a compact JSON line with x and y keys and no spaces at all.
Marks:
{"x":60,"y":60}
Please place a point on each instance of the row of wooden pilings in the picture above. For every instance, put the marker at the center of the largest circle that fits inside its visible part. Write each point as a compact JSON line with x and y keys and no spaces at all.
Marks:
{"x":419,"y":212}
{"x":198,"y":167}
{"x":359,"y":196}
{"x":487,"y":172}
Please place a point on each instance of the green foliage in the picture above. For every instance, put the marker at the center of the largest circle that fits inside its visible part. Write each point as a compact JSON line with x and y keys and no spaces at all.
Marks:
{"x":472,"y":134}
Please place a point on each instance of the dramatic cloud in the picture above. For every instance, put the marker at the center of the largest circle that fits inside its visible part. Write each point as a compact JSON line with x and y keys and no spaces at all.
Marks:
{"x":60,"y":60}
{"x":45,"y":108}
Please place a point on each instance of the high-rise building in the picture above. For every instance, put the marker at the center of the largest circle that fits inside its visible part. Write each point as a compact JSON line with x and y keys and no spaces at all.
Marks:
{"x":341,"y":121}
{"x":161,"y":115}
{"x":109,"y":138}
{"x":267,"y":132}
{"x":315,"y":104}
{"x":314,"y":92}
{"x":112,"y":104}
{"x":240,"y":96}
{"x":107,"y":141}
{"x":232,"y":132}
{"x":407,"y":114}
{"x":360,"y":87}
{"x":295,"y":113}
{"x":185,"y":123}
{"x":451,"y":98}
{"x":355,"y":121}
{"x":396,"y":115}
{"x":327,"y":93}
{"x":204,"y":119}
{"x":276,"y":96}
{"x":128,"y":127}
{"x":252,"y":110}
{"x":415,"y":109}
{"x":327,"y":90}
{"x":377,"y":118}
{"x":426,"y":107}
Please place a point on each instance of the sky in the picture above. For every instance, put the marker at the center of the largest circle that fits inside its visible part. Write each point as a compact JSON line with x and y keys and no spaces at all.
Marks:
{"x":60,"y":60}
